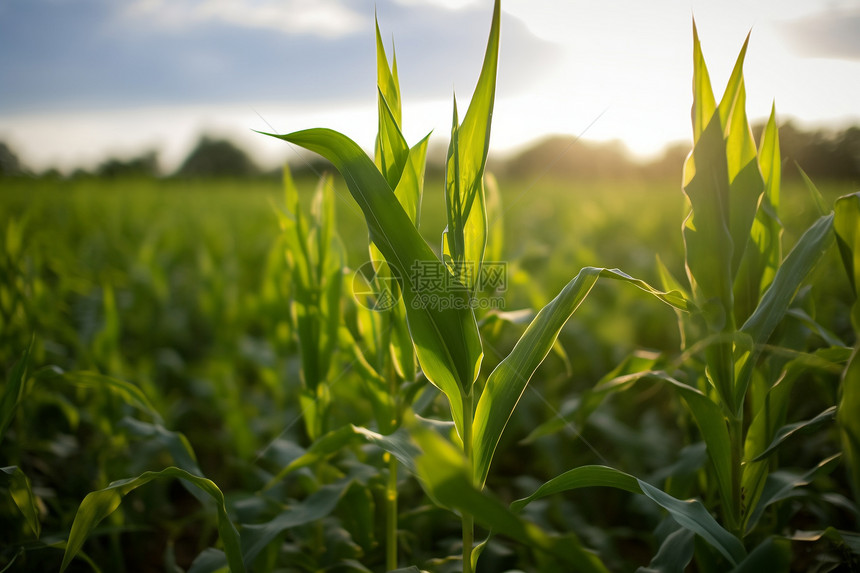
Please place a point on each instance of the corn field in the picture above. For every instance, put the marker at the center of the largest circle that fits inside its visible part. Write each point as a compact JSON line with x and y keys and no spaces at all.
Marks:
{"x":383,"y":370}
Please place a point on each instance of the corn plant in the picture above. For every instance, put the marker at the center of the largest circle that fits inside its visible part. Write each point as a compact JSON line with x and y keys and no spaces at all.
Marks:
{"x":742,"y":324}
{"x":440,"y":314}
{"x":315,"y":255}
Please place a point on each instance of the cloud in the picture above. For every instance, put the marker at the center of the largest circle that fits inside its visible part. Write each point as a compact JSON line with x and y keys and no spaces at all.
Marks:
{"x":96,"y":54}
{"x":325,"y":18}
{"x":833,"y":34}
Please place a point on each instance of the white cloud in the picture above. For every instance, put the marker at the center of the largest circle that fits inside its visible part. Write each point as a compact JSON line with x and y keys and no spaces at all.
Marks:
{"x":447,"y":4}
{"x":325,"y":18}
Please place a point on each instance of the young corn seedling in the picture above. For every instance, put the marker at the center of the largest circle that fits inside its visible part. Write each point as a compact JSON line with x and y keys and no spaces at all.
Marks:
{"x":440,"y":313}
{"x":315,"y":256}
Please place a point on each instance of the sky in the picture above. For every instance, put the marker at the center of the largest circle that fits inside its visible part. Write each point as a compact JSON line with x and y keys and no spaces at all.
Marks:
{"x":81,"y":80}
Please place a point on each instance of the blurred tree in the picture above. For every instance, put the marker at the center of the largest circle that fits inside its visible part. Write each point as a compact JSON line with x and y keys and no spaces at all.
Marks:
{"x":10,"y":166}
{"x":822,"y":154}
{"x":217,"y":158}
{"x":570,"y":158}
{"x":145,"y":165}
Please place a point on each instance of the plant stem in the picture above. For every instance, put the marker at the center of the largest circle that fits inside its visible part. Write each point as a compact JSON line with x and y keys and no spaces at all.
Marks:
{"x":391,"y":515}
{"x":468,"y":520}
{"x":736,"y":520}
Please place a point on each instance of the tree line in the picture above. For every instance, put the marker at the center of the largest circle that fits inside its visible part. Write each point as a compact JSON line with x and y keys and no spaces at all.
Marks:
{"x":823,"y":154}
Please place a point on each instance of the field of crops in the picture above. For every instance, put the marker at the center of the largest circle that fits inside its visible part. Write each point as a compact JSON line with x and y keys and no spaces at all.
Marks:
{"x":203,"y":375}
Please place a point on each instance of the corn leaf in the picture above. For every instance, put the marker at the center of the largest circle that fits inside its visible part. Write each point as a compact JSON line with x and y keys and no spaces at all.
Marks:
{"x":704,"y":104}
{"x":764,"y":251}
{"x":99,"y":504}
{"x":709,"y":248}
{"x":16,"y":481}
{"x":508,"y":380}
{"x":13,"y":391}
{"x":817,"y":198}
{"x":386,"y":77}
{"x":849,"y":421}
{"x":255,"y":537}
{"x":783,"y":484}
{"x":397,"y":444}
{"x":445,"y":475}
{"x":583,"y":476}
{"x":691,"y":514}
{"x":392,"y":150}
{"x":847,"y":225}
{"x":446,"y":336}
{"x":128,"y":392}
{"x":675,"y":553}
{"x":809,"y":249}
{"x":466,"y":234}
{"x":745,"y":180}
{"x":772,"y":554}
{"x":789,"y":430}
{"x":410,"y":187}
{"x":770,"y":415}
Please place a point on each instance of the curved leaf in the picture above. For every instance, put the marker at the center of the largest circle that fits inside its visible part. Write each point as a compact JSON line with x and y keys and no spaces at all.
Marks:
{"x":693,"y":515}
{"x":466,"y":234}
{"x":789,"y":430}
{"x":397,"y":444}
{"x":99,"y":504}
{"x":810,"y":248}
{"x":690,"y":514}
{"x":445,"y":476}
{"x":508,"y":380}
{"x":19,"y":488}
{"x":14,"y":390}
{"x":441,"y":322}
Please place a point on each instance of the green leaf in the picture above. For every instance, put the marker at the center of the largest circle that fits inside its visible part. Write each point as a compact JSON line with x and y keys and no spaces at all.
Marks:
{"x":445,"y":475}
{"x":690,"y":514}
{"x":790,"y":430}
{"x":392,"y":150}
{"x":847,"y":226}
{"x":386,"y":77}
{"x":763,"y":254}
{"x":466,"y":234}
{"x":13,"y":479}
{"x":817,"y":198}
{"x":704,"y":104}
{"x":674,"y":555}
{"x":709,"y":249}
{"x":445,"y":335}
{"x":410,"y":186}
{"x":783,"y":484}
{"x":13,"y":391}
{"x":745,"y":180}
{"x":774,"y":304}
{"x":99,"y":504}
{"x":772,"y":554}
{"x":638,"y":365}
{"x":583,"y":476}
{"x":397,"y":444}
{"x":317,"y":505}
{"x":128,"y":392}
{"x":712,"y":425}
{"x":693,"y":515}
{"x":508,"y":380}
{"x":849,"y":421}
